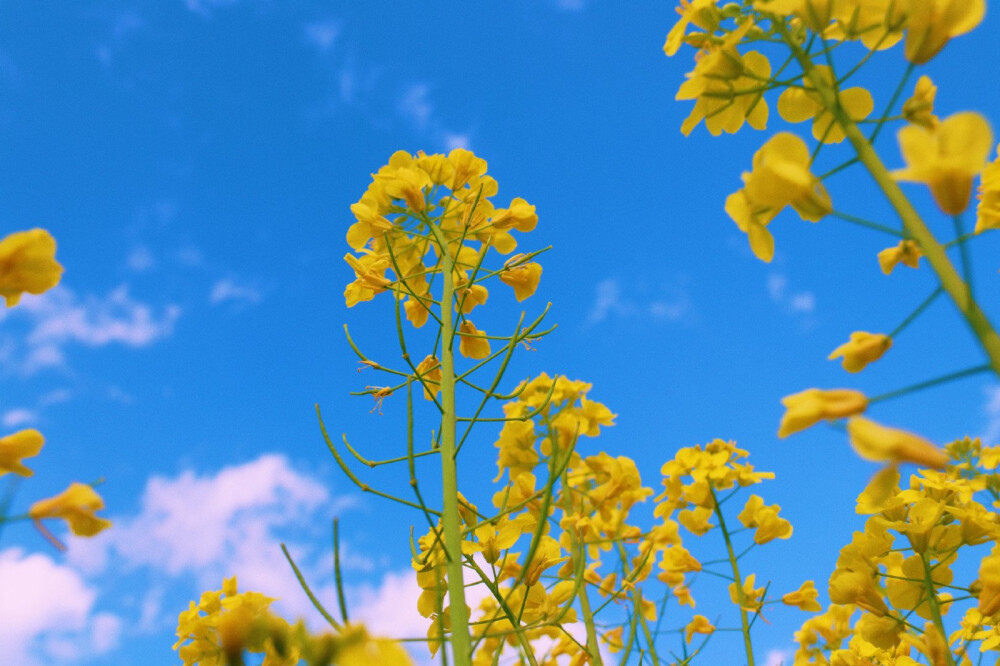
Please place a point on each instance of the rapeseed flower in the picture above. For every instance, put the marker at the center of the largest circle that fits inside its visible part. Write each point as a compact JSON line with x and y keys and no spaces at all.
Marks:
{"x":752,"y":598}
{"x":77,"y":506}
{"x":946,"y":157}
{"x":797,"y":104}
{"x":27,"y":264}
{"x":811,"y":406}
{"x":907,"y":253}
{"x":698,"y":625}
{"x":780,"y":177}
{"x":882,"y":444}
{"x":728,"y":87}
{"x":523,"y":278}
{"x":765,"y":518}
{"x":988,"y":210}
{"x":863,"y":348}
{"x":473,"y":343}
{"x":701,"y":13}
{"x":804,"y":598}
{"x":919,"y":108}
{"x":16,"y":447}
{"x":930,"y":24}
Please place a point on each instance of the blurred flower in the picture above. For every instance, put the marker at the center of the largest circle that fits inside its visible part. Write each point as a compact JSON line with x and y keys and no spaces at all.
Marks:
{"x":946,"y":157}
{"x":27,"y":264}
{"x":862,"y":349}
{"x":14,"y":448}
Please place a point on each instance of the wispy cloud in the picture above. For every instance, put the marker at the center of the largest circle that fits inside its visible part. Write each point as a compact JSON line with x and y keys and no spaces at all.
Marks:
{"x":611,"y":301}
{"x":991,"y":434}
{"x":140,"y":259}
{"x":228,"y":290}
{"x":19,"y":416}
{"x":60,"y":318}
{"x":799,"y":302}
{"x":778,"y":658}
{"x":322,"y":34}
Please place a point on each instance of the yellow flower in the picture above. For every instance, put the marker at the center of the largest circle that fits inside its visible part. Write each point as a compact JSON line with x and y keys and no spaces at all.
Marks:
{"x":473,"y":343}
{"x":752,"y":597}
{"x":765,"y":518}
{"x":811,"y":406}
{"x":850,"y":586}
{"x":371,"y":224}
{"x":804,"y":598}
{"x":470,"y":297}
{"x":728,"y":87}
{"x":702,"y":13}
{"x":881,"y":444}
{"x":919,"y":109}
{"x":989,"y":582}
{"x":698,"y":625}
{"x":946,"y":157}
{"x":523,"y":278}
{"x":520,"y":215}
{"x":76,"y":505}
{"x":862,"y":349}
{"x":406,"y":183}
{"x":752,"y":219}
{"x":27,"y":264}
{"x":357,"y":648}
{"x":988,"y":210}
{"x":931,"y":23}
{"x":429,"y":371}
{"x":907,"y":253}
{"x":877,"y":23}
{"x":798,"y":104}
{"x":369,"y":271}
{"x":781,"y":177}
{"x":14,"y":448}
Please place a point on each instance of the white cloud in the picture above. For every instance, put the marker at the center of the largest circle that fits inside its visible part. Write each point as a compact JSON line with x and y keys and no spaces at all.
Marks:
{"x":18,"y":417}
{"x":204,"y":7}
{"x":322,"y":34}
{"x":803,"y":302}
{"x":778,"y":658}
{"x":453,"y":141}
{"x":59,"y":317}
{"x":610,"y":300}
{"x":800,"y":302}
{"x":991,"y":434}
{"x":212,"y":526}
{"x":46,"y":612}
{"x":229,"y":290}
{"x":390,"y":609}
{"x":141,"y":259}
{"x":415,"y":105}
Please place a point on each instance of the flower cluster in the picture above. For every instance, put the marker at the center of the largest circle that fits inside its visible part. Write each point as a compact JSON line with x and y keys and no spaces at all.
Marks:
{"x":422,"y":213}
{"x":904,"y":564}
{"x":224,"y":624}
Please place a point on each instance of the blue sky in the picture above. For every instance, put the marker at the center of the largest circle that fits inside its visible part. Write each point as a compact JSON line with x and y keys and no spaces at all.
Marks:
{"x":196,"y":161}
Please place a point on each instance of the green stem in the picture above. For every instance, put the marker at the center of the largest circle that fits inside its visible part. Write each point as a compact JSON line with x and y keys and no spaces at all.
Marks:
{"x":461,"y":643}
{"x":932,"y":601}
{"x":936,"y":255}
{"x":930,"y":382}
{"x":738,"y":580}
{"x":916,"y":313}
